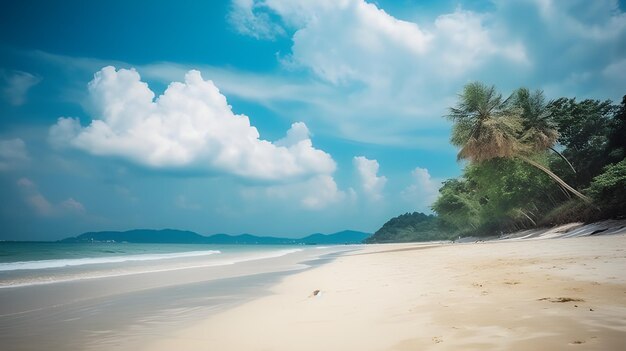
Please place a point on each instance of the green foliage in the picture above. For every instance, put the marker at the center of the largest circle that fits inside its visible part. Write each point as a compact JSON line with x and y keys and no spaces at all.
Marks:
{"x":410,"y":227}
{"x":609,"y":189}
{"x":458,"y":206}
{"x":494,"y":196}
{"x":509,"y":188}
{"x":616,"y":148}
{"x":570,"y":211}
{"x":499,"y":191}
{"x":584,"y":129}
{"x":485,"y":126}
{"x":538,"y":128}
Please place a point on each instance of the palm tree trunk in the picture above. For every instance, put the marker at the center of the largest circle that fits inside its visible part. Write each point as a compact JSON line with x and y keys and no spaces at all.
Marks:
{"x":563,"y":157}
{"x":556,"y":178}
{"x":564,"y":191}
{"x":527,"y":216}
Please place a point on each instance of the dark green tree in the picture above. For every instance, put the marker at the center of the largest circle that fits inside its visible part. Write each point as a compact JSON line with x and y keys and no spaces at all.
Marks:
{"x":539,"y":131}
{"x":458,"y":205}
{"x":584,"y":128}
{"x":609,"y":189}
{"x":616,"y":147}
{"x":486,"y":126}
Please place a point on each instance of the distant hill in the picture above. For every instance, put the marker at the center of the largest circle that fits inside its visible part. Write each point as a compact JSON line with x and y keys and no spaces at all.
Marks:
{"x":410,"y":227}
{"x":343,"y":237}
{"x":247,"y":239}
{"x":172,"y":236}
{"x":169,"y":236}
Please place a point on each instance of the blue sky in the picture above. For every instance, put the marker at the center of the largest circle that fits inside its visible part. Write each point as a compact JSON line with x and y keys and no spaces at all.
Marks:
{"x":272,"y":117}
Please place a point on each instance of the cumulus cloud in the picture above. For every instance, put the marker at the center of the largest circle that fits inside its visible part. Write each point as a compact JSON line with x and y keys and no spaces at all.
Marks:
{"x":13,"y":153}
{"x":316,"y":193}
{"x":16,"y":86}
{"x":423,"y":191}
{"x":42,"y":206}
{"x":466,"y":32}
{"x":371,"y":184}
{"x":351,"y":41}
{"x":391,"y":73}
{"x":189,"y":127}
{"x":400,"y":75}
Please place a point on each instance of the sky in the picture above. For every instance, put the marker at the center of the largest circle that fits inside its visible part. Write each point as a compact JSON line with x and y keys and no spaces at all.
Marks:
{"x":270,"y":117}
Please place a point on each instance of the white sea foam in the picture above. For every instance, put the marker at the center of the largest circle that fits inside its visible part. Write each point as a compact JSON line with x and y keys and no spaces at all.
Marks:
{"x":110,"y":274}
{"x":44,"y":264}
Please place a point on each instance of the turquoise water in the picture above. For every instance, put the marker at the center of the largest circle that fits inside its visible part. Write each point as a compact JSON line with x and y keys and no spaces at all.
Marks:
{"x":23,"y":264}
{"x":115,"y":296}
{"x":38,"y":251}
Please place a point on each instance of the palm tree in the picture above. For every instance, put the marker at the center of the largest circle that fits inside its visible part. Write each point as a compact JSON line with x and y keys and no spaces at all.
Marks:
{"x":486,"y":126}
{"x":538,"y":129}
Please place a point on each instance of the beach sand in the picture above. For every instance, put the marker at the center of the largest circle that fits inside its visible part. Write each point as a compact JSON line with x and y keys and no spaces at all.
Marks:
{"x":558,"y":294}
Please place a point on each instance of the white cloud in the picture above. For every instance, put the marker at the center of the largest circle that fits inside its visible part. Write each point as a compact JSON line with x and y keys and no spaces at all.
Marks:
{"x":316,"y":193}
{"x":13,"y":153}
{"x":190,"y":126}
{"x":423,"y":191}
{"x":357,"y":72}
{"x":372,"y":185}
{"x":42,"y":206}
{"x":352,"y":40}
{"x":16,"y":86}
{"x":465,"y":32}
{"x":588,"y":20}
{"x":249,"y":19}
{"x":72,"y":206}
{"x":392,"y":79}
{"x":321,"y":192}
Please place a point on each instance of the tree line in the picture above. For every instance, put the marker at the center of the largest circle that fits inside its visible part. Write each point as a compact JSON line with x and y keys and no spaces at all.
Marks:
{"x":531,"y":162}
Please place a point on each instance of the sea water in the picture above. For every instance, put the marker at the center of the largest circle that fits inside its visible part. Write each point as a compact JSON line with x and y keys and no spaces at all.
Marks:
{"x":116,"y":296}
{"x":25,"y":264}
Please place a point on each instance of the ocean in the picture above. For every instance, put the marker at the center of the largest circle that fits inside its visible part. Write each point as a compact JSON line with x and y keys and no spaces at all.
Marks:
{"x":116,"y":296}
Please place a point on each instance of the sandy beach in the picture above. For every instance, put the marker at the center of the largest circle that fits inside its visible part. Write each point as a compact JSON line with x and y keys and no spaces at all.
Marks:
{"x":558,"y":294}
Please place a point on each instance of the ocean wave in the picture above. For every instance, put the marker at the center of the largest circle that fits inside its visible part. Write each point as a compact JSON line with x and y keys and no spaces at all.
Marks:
{"x":59,"y":263}
{"x":44,"y":280}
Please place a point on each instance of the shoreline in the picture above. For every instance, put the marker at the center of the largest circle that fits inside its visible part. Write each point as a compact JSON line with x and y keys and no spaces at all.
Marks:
{"x":123,"y":311}
{"x":492,"y":295}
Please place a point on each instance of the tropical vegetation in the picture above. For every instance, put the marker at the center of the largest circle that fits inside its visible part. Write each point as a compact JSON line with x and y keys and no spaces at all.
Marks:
{"x":410,"y":227}
{"x":528,"y":162}
{"x":532,"y":163}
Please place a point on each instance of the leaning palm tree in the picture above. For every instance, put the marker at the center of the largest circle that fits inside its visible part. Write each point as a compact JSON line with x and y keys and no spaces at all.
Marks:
{"x":486,"y":126}
{"x":538,"y":129}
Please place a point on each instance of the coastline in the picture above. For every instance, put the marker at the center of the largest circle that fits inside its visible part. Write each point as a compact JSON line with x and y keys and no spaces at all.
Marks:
{"x":132,"y":303}
{"x":495,"y":295}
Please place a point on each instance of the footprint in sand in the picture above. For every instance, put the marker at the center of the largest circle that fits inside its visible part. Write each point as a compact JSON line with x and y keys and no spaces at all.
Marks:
{"x":437,"y":339}
{"x":511,"y":282}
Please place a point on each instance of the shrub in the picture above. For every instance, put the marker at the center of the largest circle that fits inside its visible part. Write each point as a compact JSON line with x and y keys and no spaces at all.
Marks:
{"x":609,"y":190}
